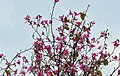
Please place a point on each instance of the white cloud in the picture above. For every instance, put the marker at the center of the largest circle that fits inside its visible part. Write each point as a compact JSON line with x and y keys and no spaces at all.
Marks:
{"x":6,"y":10}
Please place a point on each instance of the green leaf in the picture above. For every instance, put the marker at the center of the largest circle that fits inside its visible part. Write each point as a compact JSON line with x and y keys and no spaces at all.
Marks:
{"x":82,"y":16}
{"x":99,"y":73}
{"x":7,"y":71}
{"x":71,"y":36}
{"x":105,"y":62}
{"x":69,"y":63}
{"x":67,"y":20}
{"x":75,"y":54}
{"x":60,"y":69}
{"x":77,"y":37}
{"x":66,"y":27}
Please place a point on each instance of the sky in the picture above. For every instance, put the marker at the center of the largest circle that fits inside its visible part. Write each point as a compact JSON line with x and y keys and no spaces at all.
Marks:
{"x":16,"y":35}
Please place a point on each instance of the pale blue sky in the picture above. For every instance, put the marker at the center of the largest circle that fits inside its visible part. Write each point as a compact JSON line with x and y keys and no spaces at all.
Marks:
{"x":15,"y":34}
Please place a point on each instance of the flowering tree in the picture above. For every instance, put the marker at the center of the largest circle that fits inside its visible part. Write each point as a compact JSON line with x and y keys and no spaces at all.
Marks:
{"x":68,"y":50}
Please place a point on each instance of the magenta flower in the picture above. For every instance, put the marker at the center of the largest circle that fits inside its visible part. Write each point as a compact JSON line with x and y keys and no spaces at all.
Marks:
{"x":25,"y":67}
{"x":57,"y":38}
{"x":56,"y":0}
{"x":22,"y":72}
{"x":30,"y":69}
{"x":75,"y":13}
{"x":18,"y":62}
{"x":15,"y":72}
{"x":115,"y":57}
{"x":38,"y":57}
{"x":27,"y":18}
{"x":65,"y":52}
{"x":91,"y":45}
{"x":39,"y":74}
{"x":38,"y":17}
{"x":18,"y":55}
{"x":46,"y":21}
{"x":78,"y":23}
{"x":50,"y":21}
{"x":93,"y":39}
{"x":99,"y":47}
{"x":48,"y":73}
{"x":116,"y":43}
{"x":1,"y":55}
{"x":92,"y":22}
{"x":48,"y":47}
{"x":118,"y":72}
{"x":34,"y":23}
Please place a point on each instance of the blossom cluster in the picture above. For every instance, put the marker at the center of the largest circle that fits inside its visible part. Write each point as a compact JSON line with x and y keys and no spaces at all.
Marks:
{"x":68,"y":50}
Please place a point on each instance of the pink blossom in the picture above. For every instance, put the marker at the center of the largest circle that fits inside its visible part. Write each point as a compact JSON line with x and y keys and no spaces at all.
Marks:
{"x":91,"y":45}
{"x":93,"y":39}
{"x":58,"y":46}
{"x":50,"y":21}
{"x":18,"y":62}
{"x":109,"y":54}
{"x":72,"y":31}
{"x":27,"y":18}
{"x":42,"y":22}
{"x":18,"y":55}
{"x":79,"y":48}
{"x":56,"y":0}
{"x":61,"y":18}
{"x":49,"y":73}
{"x":61,"y":34}
{"x":83,"y":67}
{"x":22,"y":72}
{"x":104,"y":34}
{"x":115,"y":57}
{"x":70,"y":12}
{"x":118,"y":72}
{"x":1,"y":55}
{"x":75,"y":13}
{"x":15,"y":72}
{"x":116,"y":43}
{"x":99,"y":47}
{"x":86,"y":35}
{"x":56,"y":71}
{"x":25,"y":59}
{"x":50,"y":53}
{"x":105,"y":55}
{"x":38,"y":17}
{"x":25,"y":67}
{"x":30,"y":69}
{"x":38,"y":56}
{"x":48,"y":47}
{"x":34,"y":23}
{"x":57,"y":38}
{"x":64,"y":37}
{"x":78,"y":23}
{"x":94,"y":55}
{"x":101,"y":52}
{"x":65,"y":52}
{"x":8,"y":64}
{"x":93,"y":22}
{"x":38,"y":45}
{"x":42,"y":33}
{"x":86,"y":28}
{"x":46,"y":21}
{"x":39,"y":74}
{"x":30,"y":22}
{"x":84,"y":57}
